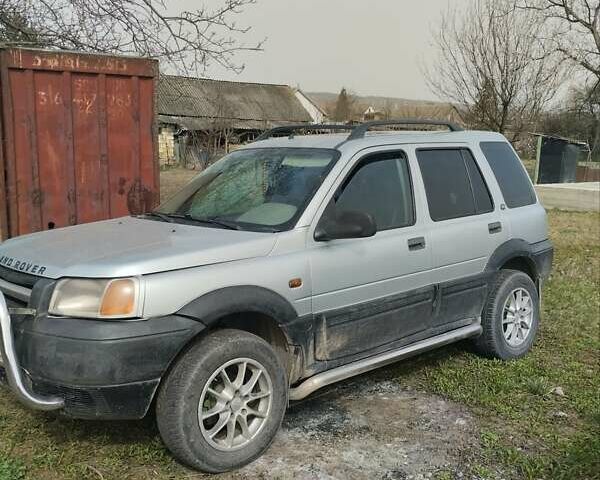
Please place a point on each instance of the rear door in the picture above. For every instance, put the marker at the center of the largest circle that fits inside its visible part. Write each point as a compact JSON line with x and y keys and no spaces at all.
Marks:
{"x":466,"y":226}
{"x":369,"y":293}
{"x":526,"y":216}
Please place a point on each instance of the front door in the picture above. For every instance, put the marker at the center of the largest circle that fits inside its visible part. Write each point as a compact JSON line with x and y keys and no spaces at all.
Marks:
{"x":369,"y":293}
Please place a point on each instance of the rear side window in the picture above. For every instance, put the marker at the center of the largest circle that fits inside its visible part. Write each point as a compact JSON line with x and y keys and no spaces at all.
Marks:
{"x":453,"y":184}
{"x":483,"y":199}
{"x":510,"y":174}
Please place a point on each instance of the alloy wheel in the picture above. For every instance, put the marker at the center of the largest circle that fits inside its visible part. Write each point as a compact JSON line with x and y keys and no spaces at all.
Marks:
{"x":235,"y":404}
{"x":517,"y":317}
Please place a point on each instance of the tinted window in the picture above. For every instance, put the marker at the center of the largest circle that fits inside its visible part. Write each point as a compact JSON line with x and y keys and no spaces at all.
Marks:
{"x":447,"y":184}
{"x":381,"y":187}
{"x":514,"y":184}
{"x":483,"y":199}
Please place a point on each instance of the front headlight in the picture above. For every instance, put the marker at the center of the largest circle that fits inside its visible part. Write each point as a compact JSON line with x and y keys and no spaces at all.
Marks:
{"x":87,"y":298}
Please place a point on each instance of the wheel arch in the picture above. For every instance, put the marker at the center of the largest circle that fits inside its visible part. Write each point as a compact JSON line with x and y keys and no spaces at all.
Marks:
{"x":522,"y":264}
{"x":211,"y":307}
{"x":252,"y":309}
{"x":515,"y":254}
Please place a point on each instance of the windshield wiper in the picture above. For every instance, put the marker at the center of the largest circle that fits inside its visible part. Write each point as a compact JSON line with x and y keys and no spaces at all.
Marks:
{"x":220,"y":223}
{"x":170,"y":217}
{"x":162,"y":216}
{"x":210,"y":221}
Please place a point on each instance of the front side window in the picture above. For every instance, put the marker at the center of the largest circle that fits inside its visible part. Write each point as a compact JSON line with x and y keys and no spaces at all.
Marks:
{"x":255,"y":189}
{"x":453,"y":183}
{"x":381,"y":187}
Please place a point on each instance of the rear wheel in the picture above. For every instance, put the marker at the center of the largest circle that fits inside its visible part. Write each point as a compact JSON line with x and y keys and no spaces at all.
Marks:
{"x":223,"y":402}
{"x":510,"y":319}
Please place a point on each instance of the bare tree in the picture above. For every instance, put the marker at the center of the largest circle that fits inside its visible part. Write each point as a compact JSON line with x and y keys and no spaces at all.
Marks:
{"x":203,"y":146}
{"x":574,"y":29}
{"x":15,"y":29}
{"x":574,"y":32}
{"x":189,"y":40}
{"x":578,"y":118}
{"x":344,"y":107}
{"x":493,"y":66}
{"x":388,"y":109}
{"x":587,"y":107}
{"x":429,"y":110}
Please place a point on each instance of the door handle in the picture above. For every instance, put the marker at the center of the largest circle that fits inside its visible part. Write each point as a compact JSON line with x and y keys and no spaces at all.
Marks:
{"x":495,"y":227}
{"x":416,"y":243}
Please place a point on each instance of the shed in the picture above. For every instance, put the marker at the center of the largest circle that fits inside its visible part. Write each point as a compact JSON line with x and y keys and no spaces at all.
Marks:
{"x":562,"y":160}
{"x":199,"y":116}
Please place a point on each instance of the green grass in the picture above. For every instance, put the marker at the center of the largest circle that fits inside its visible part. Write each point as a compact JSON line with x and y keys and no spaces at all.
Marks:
{"x":524,"y":432}
{"x":11,"y":469}
{"x":526,"y":428}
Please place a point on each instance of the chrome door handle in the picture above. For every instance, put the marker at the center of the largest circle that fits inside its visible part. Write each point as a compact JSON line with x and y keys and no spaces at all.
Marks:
{"x":416,"y":243}
{"x":495,"y":227}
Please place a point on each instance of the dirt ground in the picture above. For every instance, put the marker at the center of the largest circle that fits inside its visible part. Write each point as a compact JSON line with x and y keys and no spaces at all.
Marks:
{"x":369,"y":428}
{"x":172,"y":179}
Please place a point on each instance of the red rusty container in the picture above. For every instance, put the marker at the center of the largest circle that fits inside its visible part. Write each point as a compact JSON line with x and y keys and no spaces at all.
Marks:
{"x":78,"y":139}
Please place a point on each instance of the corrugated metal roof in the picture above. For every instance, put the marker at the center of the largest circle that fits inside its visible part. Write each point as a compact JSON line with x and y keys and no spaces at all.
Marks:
{"x":205,"y":123}
{"x":195,"y":102}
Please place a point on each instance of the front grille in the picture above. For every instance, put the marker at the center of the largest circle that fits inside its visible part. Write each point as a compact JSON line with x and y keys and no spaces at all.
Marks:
{"x":16,"y":287}
{"x":18,"y":278}
{"x":12,"y":302}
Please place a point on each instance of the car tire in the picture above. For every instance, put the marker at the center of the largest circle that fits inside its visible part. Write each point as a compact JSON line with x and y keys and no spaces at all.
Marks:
{"x":196,"y":387}
{"x":509,"y":325}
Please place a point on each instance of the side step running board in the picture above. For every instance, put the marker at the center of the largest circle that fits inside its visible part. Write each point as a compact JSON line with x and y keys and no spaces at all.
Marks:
{"x":334,"y":375}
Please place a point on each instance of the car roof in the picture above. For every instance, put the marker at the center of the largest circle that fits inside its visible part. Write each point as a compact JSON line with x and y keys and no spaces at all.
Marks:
{"x":373,"y":139}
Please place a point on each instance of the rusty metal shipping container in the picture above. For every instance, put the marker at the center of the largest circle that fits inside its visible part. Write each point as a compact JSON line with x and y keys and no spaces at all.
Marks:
{"x":78,"y":139}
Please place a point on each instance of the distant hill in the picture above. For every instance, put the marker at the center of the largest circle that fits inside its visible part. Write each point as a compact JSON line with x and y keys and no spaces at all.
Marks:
{"x":326,"y":100}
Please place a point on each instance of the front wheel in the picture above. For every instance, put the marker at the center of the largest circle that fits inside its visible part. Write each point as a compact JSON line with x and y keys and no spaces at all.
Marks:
{"x":511,"y":317}
{"x":223,"y":402}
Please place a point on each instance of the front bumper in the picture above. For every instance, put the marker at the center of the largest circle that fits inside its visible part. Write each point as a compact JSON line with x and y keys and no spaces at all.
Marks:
{"x":90,"y":369}
{"x":12,"y":370}
{"x":114,"y":402}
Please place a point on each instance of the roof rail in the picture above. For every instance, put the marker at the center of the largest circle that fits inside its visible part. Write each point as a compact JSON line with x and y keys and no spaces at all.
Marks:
{"x":360,"y":130}
{"x":290,"y":129}
{"x":357,"y":130}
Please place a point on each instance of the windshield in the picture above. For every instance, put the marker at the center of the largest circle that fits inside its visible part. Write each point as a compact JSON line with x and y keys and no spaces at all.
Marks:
{"x":263,"y":189}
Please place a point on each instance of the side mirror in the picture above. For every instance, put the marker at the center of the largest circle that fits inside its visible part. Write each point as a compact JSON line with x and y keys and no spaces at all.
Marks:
{"x":345,"y":224}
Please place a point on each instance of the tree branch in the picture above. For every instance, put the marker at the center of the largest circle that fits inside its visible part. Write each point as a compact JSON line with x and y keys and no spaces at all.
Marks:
{"x":189,"y":40}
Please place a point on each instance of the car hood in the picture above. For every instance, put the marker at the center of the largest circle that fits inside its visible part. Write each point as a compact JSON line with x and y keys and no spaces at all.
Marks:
{"x":129,"y":246}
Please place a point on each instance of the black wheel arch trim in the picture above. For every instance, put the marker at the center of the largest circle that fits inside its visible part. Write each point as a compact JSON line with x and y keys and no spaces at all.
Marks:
{"x":211,"y":307}
{"x":538,"y":255}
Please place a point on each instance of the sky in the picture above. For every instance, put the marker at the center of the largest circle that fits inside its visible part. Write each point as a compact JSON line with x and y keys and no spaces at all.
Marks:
{"x":371,"y":47}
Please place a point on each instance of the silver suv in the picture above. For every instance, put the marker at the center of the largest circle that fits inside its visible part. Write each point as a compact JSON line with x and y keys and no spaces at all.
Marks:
{"x":292,"y":263}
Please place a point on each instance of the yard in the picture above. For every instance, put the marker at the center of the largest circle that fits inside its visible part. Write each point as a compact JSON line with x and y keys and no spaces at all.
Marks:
{"x":448,"y":414}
